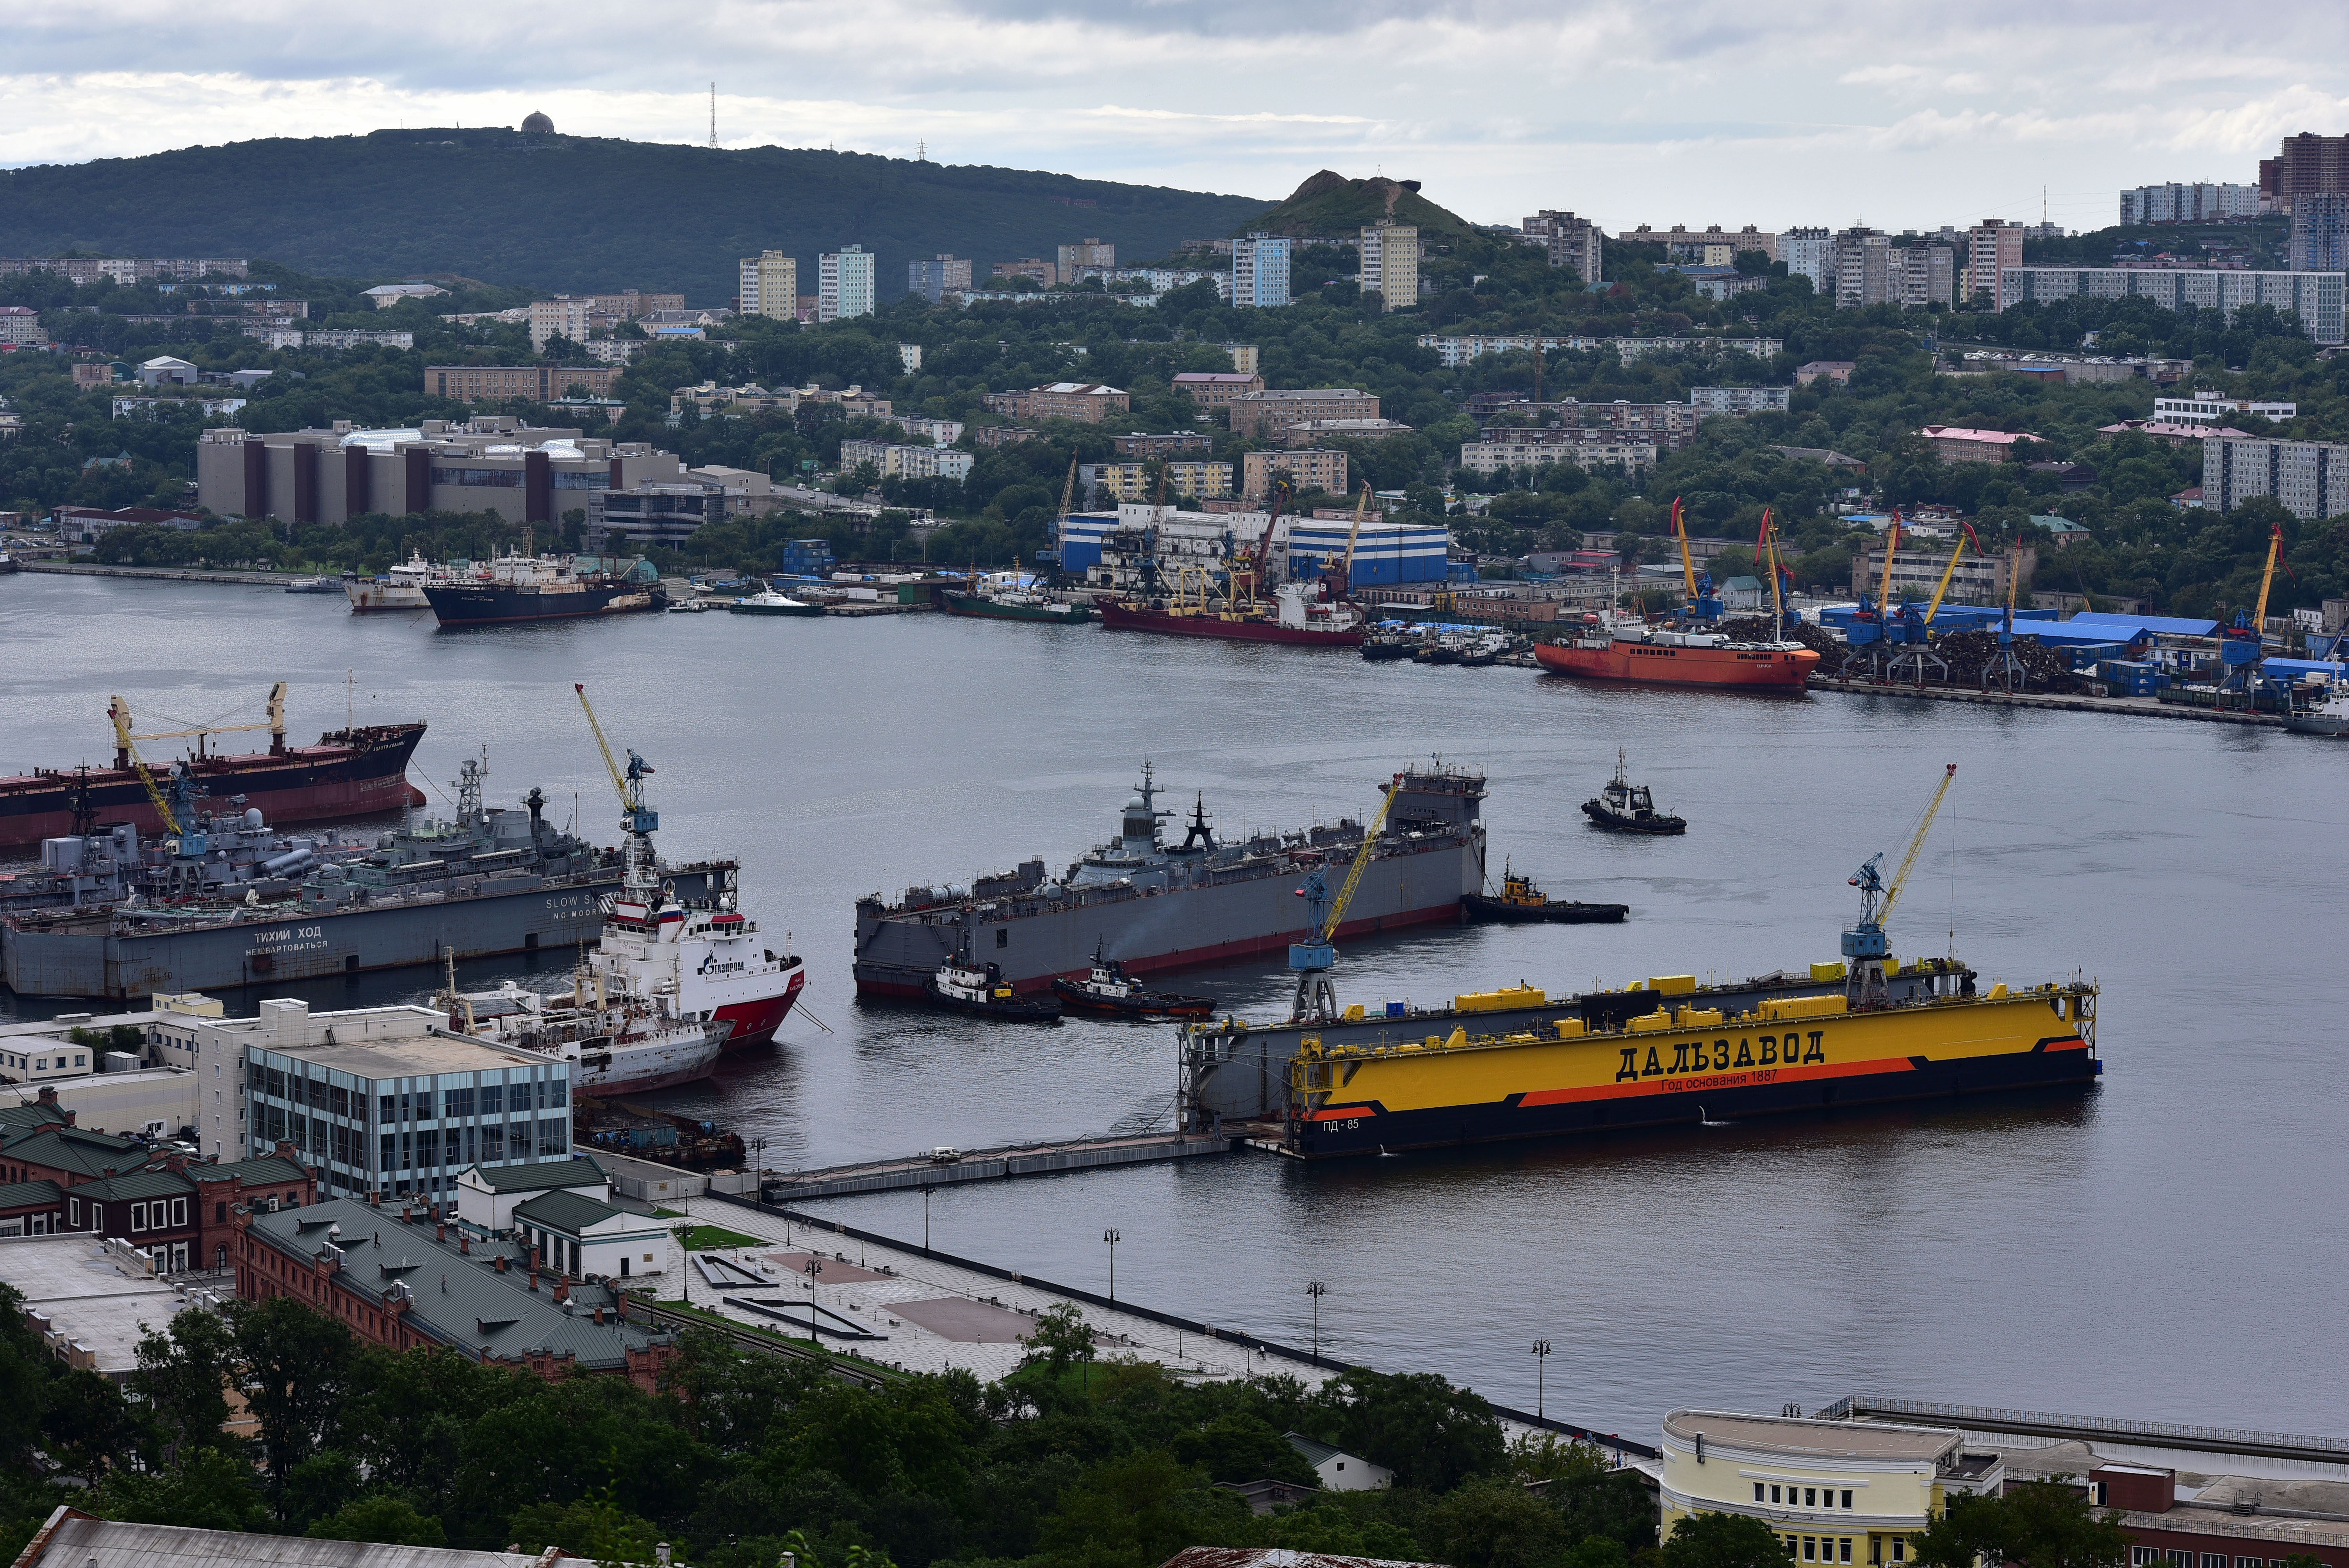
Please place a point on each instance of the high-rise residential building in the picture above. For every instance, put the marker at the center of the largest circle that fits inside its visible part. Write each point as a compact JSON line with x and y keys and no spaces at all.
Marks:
{"x":2316,"y":298}
{"x":1927,"y":277}
{"x":1390,"y":264}
{"x":1089,"y":253}
{"x":938,"y":276}
{"x":770,"y":285}
{"x":843,"y":284}
{"x":1863,"y":268}
{"x":1260,"y":271}
{"x":2189,"y":203}
{"x":2319,"y":233}
{"x":1682,"y":244}
{"x":1810,"y":253}
{"x":1993,"y":245}
{"x":2304,"y":165}
{"x":2310,"y":477}
{"x":1571,"y":242}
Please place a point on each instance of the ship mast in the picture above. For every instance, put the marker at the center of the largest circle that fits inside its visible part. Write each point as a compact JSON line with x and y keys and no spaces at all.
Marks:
{"x":639,"y":821}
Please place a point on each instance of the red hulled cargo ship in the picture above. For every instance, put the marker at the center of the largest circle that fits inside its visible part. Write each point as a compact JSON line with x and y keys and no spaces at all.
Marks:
{"x":1678,"y":658}
{"x":1231,"y":626}
{"x":353,"y":772}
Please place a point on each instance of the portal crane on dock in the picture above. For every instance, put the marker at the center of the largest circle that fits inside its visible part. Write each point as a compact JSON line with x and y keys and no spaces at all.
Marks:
{"x":2241,"y":647}
{"x":127,"y":745}
{"x":637,"y":821}
{"x":1864,"y":945}
{"x":1314,"y":957}
{"x":1259,"y":555}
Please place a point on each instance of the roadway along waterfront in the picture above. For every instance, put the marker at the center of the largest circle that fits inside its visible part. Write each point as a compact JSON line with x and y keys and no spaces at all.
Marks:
{"x":2167,"y":1247}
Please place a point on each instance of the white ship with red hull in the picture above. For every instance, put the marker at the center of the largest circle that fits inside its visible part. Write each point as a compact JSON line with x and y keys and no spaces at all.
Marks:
{"x":707,"y":957}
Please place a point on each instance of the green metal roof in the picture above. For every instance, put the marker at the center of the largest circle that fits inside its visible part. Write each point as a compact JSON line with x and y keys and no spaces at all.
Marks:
{"x":577,"y":1171}
{"x":256,"y":1173}
{"x":75,"y":1149}
{"x":139,"y":1184}
{"x":568,"y":1213}
{"x":24,"y":1194}
{"x":1315,"y":1451}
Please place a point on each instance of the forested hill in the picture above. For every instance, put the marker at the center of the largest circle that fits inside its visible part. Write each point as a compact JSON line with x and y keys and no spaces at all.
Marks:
{"x":568,"y":212}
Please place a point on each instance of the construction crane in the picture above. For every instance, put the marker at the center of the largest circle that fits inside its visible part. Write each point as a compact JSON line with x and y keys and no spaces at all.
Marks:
{"x":126,"y":748}
{"x":1315,"y":956}
{"x":1260,"y":553}
{"x":2241,"y":646}
{"x":275,"y":724}
{"x":637,"y":821}
{"x":1864,"y":945}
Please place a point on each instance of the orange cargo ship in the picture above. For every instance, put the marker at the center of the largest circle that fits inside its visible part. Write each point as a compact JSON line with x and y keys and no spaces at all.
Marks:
{"x":1678,"y":658}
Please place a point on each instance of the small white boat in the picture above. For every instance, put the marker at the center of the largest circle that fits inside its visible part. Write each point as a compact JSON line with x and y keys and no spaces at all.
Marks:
{"x":769,"y":602}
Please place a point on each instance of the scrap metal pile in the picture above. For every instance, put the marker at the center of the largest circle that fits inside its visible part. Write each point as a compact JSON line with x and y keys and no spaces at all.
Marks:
{"x":1967,"y":654}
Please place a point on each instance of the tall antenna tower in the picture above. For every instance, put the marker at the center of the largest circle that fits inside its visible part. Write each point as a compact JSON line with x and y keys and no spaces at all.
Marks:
{"x":713,"y":115}
{"x":921,"y":152}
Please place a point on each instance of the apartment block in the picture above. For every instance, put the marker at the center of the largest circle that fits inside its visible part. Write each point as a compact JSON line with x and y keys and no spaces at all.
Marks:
{"x":1992,"y":245}
{"x":1390,"y":262}
{"x":564,"y":317}
{"x":1132,"y":481}
{"x":1927,"y":277}
{"x":1260,"y":271}
{"x":1037,"y":270}
{"x":770,"y":285}
{"x":1139,"y":445}
{"x":1088,"y":402}
{"x":2310,"y":477}
{"x":2189,"y":203}
{"x":1268,"y":413}
{"x":1514,"y":450}
{"x":938,"y":276}
{"x":1215,"y":389}
{"x":2303,"y":165}
{"x":1087,"y":252}
{"x":1709,"y":401}
{"x":1863,"y":269}
{"x":129,"y":270}
{"x":1810,"y":253}
{"x":895,"y":460}
{"x":535,"y":382}
{"x":1962,"y":444}
{"x":1682,"y":244}
{"x":845,"y":283}
{"x":2316,"y":297}
{"x":2319,"y":233}
{"x":1453,"y":352}
{"x":2205,"y":408}
{"x":1916,"y":573}
{"x":1307,"y":469}
{"x":1313,"y":432}
{"x":526,"y":474}
{"x":21,"y":326}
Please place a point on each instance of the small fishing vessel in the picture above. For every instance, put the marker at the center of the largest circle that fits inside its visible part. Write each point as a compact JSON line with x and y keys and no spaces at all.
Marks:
{"x":1111,"y":991}
{"x":767,"y":602}
{"x":1521,"y":904}
{"x":401,"y":588}
{"x":314,"y":585}
{"x":1386,"y":646}
{"x":1623,"y":807}
{"x":1013,"y":604}
{"x":963,"y":986}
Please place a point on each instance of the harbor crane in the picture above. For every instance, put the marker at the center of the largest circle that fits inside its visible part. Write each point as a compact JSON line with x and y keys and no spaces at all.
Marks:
{"x":1258,"y":556}
{"x":1314,"y":957}
{"x":637,"y":821}
{"x":1702,"y":604}
{"x":275,"y":724}
{"x":127,"y":745}
{"x":2242,"y":648}
{"x":1910,"y":629}
{"x":1337,"y":584}
{"x":1864,"y":945}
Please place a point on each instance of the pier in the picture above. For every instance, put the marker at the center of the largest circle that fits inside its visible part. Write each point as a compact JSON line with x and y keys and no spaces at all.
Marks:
{"x":165,"y":573}
{"x":2134,"y":707}
{"x":991,"y":1165}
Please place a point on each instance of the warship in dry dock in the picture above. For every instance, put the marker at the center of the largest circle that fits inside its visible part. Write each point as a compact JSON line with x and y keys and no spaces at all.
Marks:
{"x":1153,"y":905}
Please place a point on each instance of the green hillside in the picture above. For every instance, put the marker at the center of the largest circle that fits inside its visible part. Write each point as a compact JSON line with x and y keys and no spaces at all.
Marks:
{"x":1328,"y":203}
{"x":566,"y":212}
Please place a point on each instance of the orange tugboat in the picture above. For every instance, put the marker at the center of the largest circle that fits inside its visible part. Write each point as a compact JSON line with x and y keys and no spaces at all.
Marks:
{"x":1681,"y":657}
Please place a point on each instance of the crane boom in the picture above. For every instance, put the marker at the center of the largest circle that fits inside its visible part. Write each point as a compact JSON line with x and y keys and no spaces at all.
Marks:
{"x":1362,"y":863}
{"x":1916,"y":844}
{"x":641,"y":877}
{"x":1891,"y":548}
{"x":1260,"y":554}
{"x":1777,"y":591}
{"x":120,"y":713}
{"x":275,"y":723}
{"x":619,"y":784}
{"x":1354,"y":534}
{"x":1688,"y":562}
{"x":1948,"y":572}
{"x":2267,"y":580}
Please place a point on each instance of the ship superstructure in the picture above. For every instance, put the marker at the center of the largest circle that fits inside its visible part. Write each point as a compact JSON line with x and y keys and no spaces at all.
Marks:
{"x":516,"y":587}
{"x":1152,"y":905}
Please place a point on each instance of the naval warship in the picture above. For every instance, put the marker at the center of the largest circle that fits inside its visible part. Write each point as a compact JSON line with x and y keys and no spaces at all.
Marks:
{"x":491,"y":881}
{"x":1152,"y":905}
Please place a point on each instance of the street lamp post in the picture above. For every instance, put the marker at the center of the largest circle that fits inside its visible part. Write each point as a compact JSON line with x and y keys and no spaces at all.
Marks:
{"x":1316,"y":1289}
{"x":759,"y":1171}
{"x":1111,"y":1237}
{"x":1541,"y":1363}
{"x":926,"y":1219}
{"x":815,"y":1268}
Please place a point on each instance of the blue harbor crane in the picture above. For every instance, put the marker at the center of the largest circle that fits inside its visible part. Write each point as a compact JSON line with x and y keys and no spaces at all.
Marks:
{"x":2242,"y":650}
{"x":1864,"y":948}
{"x":1314,"y":957}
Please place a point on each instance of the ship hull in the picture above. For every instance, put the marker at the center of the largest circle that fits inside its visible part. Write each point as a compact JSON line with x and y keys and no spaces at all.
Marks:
{"x":1238,"y":629}
{"x":84,"y":958}
{"x":492,"y":604}
{"x":1389,"y":1101}
{"x":1223,"y":924}
{"x":1750,"y":668}
{"x":301,"y":784}
{"x":640,"y":1068}
{"x":755,"y":1022}
{"x":984,"y":609}
{"x":369,"y":597}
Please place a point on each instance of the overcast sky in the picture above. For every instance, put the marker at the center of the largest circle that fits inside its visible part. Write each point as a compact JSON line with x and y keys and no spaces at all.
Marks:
{"x":1773,"y":112}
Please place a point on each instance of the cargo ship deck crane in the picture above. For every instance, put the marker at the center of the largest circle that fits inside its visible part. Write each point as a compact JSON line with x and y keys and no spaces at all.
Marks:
{"x":1864,"y":945}
{"x":275,"y":724}
{"x":1315,"y":956}
{"x":126,"y":747}
{"x":1338,"y":584}
{"x":2242,"y":648}
{"x":1258,"y":556}
{"x":637,"y":821}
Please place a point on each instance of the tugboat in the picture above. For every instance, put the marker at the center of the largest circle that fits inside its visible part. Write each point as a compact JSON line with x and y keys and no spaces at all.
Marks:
{"x":1386,"y":646}
{"x":1111,"y":991}
{"x":1521,"y":904}
{"x":1623,"y":807}
{"x":964,"y":987}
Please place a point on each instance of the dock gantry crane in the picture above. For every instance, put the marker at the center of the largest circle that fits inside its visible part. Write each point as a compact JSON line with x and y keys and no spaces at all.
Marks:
{"x":637,"y":821}
{"x":2241,"y":647}
{"x":1314,"y":957}
{"x":1864,"y":945}
{"x":127,"y":745}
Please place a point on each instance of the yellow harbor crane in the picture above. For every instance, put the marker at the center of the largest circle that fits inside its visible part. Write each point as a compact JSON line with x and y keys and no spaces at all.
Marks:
{"x":1864,"y":945}
{"x":1313,"y":957}
{"x":127,"y":744}
{"x":637,"y":821}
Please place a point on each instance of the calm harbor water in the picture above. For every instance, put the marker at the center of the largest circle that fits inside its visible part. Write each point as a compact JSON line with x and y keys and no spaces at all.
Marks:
{"x":2168,"y":1246}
